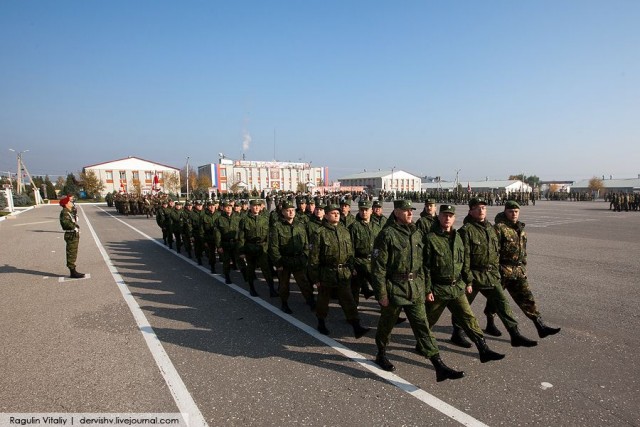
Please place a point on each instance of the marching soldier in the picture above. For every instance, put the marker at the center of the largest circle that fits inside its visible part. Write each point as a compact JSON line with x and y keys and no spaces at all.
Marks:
{"x":175,"y":217}
{"x":226,"y":234}
{"x":363,"y":233}
{"x":428,"y":216}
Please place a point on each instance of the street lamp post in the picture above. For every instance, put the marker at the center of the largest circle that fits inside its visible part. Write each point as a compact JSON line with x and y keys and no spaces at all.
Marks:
{"x":392,"y":190}
{"x":19,"y":184}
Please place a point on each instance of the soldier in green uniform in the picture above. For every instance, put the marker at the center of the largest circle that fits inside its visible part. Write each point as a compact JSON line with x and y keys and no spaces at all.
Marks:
{"x":161,"y":220}
{"x":226,"y":235}
{"x":187,"y":227}
{"x":481,"y":240}
{"x":289,"y":253}
{"x":168,"y":222}
{"x":197,"y":222}
{"x":208,"y":226}
{"x":330,"y":265}
{"x":345,"y":213}
{"x":447,"y":274}
{"x":398,"y":281}
{"x":513,"y":270}
{"x":376,"y":214}
{"x":253,"y":241}
{"x":428,"y":216}
{"x":363,"y":233}
{"x":301,"y":211}
{"x":175,"y":217}
{"x":69,"y":223}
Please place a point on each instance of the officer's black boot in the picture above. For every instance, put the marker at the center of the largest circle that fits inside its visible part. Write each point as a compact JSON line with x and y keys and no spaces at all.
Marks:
{"x":322,"y":327}
{"x":458,"y":338}
{"x":443,"y":372}
{"x":272,"y":290}
{"x":227,"y":279}
{"x":518,"y":340}
{"x":75,"y":274}
{"x":285,"y":307}
{"x":486,"y":354}
{"x":383,"y":362}
{"x":544,"y":330}
{"x":358,"y":329}
{"x":491,"y":328}
{"x":252,"y":289}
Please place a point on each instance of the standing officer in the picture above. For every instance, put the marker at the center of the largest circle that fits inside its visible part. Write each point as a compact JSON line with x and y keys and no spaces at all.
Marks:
{"x":481,"y":240}
{"x":253,"y":241}
{"x":69,"y":223}
{"x":226,"y":234}
{"x":330,"y":265}
{"x":513,"y":270}
{"x":398,"y":281}
{"x":376,"y":215}
{"x":345,"y":213}
{"x":447,"y":274}
{"x":428,"y":216}
{"x":289,"y":253}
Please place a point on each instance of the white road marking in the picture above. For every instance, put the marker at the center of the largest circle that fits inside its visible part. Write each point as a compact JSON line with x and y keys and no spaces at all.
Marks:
{"x":404,"y":385}
{"x":68,"y":279}
{"x":32,"y":223}
{"x":186,"y":405}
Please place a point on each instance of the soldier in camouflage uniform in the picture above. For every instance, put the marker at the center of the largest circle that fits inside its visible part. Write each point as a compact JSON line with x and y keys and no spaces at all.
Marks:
{"x":345,"y":213}
{"x":428,"y":216}
{"x":161,"y":220}
{"x":481,"y":240}
{"x":447,"y":274}
{"x":398,"y":281}
{"x":376,"y":215}
{"x":226,"y":235}
{"x":289,"y":253}
{"x":513,"y":270}
{"x":330,"y":265}
{"x":253,"y":241}
{"x":363,"y":233}
{"x":175,"y":217}
{"x":197,"y":222}
{"x":187,"y":227}
{"x":69,"y":223}
{"x":208,"y":226}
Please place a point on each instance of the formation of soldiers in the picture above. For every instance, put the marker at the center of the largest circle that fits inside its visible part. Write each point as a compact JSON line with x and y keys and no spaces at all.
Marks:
{"x":419,"y":267}
{"x":619,"y":202}
{"x":134,"y":204}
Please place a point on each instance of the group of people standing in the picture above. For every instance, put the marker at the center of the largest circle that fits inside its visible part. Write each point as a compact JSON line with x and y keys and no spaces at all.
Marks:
{"x":419,"y":267}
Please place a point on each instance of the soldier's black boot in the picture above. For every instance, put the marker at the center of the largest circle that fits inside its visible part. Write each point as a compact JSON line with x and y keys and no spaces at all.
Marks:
{"x":322,"y":327}
{"x":272,"y":290}
{"x":170,"y":245}
{"x":285,"y":307}
{"x":358,"y":329}
{"x":383,"y":362}
{"x":518,"y":340}
{"x":199,"y":261}
{"x":491,"y":328}
{"x":458,"y":338}
{"x":367,"y":292}
{"x":75,"y":274}
{"x":227,"y":279}
{"x":189,"y":254}
{"x":213,"y":269}
{"x":252,"y":290}
{"x":486,"y":354}
{"x":544,"y":330}
{"x":443,"y":372}
{"x":311,"y":302}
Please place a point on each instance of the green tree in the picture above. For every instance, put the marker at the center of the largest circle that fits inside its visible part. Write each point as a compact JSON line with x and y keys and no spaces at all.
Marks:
{"x":71,"y":185}
{"x":91,"y":184}
{"x":596,"y":185}
{"x":51,"y":191}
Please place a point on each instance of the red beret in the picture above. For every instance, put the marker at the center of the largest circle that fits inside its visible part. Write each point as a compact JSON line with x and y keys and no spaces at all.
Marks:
{"x":65,"y":200}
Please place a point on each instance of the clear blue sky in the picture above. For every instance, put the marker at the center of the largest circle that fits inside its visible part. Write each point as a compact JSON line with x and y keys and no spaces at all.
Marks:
{"x":491,"y":88}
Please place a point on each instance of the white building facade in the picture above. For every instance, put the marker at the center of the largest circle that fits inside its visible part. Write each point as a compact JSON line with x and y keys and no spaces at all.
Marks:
{"x":132,"y":173}
{"x":389,"y":181}
{"x":229,"y":175}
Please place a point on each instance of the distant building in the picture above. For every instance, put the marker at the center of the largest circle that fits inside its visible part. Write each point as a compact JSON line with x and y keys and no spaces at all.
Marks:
{"x":555,"y":186}
{"x":387,"y":180}
{"x":133,"y":173}
{"x":495,"y":186}
{"x":624,"y":185}
{"x":228,"y":175}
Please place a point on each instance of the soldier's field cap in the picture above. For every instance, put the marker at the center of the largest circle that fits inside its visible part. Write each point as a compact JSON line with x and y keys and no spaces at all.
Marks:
{"x":377,"y":204}
{"x":477,"y":201}
{"x":364,"y":204}
{"x":430,"y":202}
{"x":255,"y":202}
{"x":311,"y":202}
{"x":345,"y":202}
{"x":448,"y":209}
{"x":187,"y":204}
{"x":287,"y":204}
{"x":403,"y":204}
{"x":178,"y":202}
{"x":511,"y":204}
{"x":226,"y":202}
{"x":331,"y":207}
{"x":199,"y":202}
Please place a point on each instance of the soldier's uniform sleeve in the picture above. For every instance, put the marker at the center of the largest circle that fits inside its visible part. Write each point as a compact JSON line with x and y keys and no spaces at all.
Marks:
{"x":241,"y":237}
{"x":217,"y":235}
{"x":379,"y":259}
{"x":427,"y":265}
{"x":467,"y":276}
{"x":274,"y":246}
{"x":314,"y":256}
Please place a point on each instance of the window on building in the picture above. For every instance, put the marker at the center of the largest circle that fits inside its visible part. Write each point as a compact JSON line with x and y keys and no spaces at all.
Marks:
{"x":109,"y":176}
{"x":136,"y":175}
{"x":148,"y":175}
{"x":123,"y":175}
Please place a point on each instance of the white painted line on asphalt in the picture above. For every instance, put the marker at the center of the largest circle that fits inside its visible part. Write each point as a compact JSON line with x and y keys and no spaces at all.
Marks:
{"x":32,"y":223}
{"x":404,"y":385}
{"x":68,"y":279}
{"x":186,"y":405}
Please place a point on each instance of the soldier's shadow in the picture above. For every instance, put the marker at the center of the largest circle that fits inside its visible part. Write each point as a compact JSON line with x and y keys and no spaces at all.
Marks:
{"x":15,"y":270}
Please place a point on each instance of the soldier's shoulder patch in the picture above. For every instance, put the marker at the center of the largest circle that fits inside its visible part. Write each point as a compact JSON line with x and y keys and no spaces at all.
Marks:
{"x":375,"y":253}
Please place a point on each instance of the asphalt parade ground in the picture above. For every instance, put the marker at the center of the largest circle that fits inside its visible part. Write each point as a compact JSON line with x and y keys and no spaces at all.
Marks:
{"x":150,"y":331}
